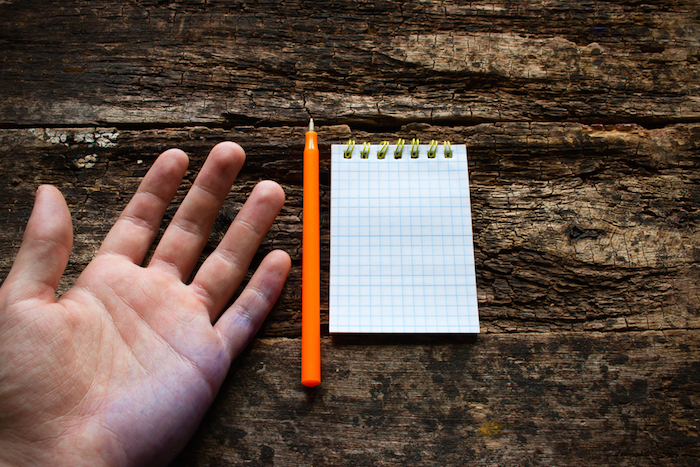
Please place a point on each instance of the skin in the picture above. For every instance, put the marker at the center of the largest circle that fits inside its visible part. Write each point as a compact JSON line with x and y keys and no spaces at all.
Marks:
{"x":122,"y":367}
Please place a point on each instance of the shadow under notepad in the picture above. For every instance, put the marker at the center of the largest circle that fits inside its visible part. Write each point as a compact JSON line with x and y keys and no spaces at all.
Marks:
{"x":403,"y":339}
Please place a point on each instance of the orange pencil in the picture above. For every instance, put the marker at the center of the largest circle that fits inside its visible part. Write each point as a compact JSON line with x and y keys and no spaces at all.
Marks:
{"x":311,"y":267}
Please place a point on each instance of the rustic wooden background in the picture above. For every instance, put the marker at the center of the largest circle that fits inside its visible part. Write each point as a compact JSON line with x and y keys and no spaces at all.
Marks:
{"x":582,"y":120}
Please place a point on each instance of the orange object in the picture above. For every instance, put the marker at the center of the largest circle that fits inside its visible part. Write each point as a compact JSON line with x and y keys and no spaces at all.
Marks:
{"x":311,"y":267}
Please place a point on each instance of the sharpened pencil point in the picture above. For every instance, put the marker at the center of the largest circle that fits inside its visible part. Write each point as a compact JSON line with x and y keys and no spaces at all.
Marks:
{"x":311,"y":124}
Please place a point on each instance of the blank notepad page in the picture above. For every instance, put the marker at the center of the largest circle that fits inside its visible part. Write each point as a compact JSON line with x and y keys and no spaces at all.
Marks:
{"x":402,"y":256}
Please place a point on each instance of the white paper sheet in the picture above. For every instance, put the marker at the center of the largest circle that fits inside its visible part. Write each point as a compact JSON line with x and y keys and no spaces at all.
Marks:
{"x":402,"y":255}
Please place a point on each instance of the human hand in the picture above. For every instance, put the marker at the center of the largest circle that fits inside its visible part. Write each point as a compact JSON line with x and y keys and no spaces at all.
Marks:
{"x":121,"y":368}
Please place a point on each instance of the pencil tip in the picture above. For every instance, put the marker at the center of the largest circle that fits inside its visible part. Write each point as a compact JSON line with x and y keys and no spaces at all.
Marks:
{"x":311,"y":124}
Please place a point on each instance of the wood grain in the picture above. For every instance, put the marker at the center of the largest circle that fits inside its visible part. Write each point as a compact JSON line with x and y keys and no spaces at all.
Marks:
{"x":350,"y":62}
{"x":582,"y":121}
{"x":576,"y":227}
{"x":617,"y":399}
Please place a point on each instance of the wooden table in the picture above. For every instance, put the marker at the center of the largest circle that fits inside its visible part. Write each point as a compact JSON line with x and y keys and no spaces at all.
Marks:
{"x":582,"y":121}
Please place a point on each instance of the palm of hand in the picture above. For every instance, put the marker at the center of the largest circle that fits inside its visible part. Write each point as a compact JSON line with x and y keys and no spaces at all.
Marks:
{"x":124,"y":365}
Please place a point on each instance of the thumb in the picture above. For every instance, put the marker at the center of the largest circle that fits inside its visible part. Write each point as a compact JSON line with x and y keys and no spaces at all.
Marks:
{"x":46,"y":246}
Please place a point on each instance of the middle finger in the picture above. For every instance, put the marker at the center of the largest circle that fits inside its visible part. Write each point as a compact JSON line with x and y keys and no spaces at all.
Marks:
{"x":188,"y":233}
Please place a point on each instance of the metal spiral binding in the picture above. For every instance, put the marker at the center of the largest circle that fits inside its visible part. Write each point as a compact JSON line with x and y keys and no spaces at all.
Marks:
{"x":364,"y":154}
{"x":348,"y":151}
{"x":398,"y":152}
{"x":399,"y":148}
{"x":432,"y":149}
{"x":383,"y":148}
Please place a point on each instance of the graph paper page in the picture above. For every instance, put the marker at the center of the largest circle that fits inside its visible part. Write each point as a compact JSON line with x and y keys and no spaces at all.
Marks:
{"x":402,"y":255}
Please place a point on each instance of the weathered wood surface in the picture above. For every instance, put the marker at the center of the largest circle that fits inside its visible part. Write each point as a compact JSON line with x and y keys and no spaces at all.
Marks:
{"x":576,"y":228}
{"x":529,"y":399}
{"x":583,"y":126}
{"x":359,"y":62}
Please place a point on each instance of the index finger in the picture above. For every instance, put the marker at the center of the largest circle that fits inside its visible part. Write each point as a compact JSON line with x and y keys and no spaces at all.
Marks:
{"x":137,"y":226}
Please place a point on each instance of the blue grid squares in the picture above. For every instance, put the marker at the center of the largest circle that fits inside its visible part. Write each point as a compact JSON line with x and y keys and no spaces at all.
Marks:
{"x":402,"y":256}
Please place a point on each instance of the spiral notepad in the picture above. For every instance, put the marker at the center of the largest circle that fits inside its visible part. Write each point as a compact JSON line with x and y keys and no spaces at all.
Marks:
{"x":402,"y":255}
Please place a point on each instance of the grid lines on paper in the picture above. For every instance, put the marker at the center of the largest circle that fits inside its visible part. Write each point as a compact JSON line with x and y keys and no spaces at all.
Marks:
{"x":402,"y":257}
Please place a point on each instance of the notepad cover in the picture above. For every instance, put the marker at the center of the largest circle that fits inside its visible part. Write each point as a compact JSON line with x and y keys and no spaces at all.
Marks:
{"x":402,"y":256}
